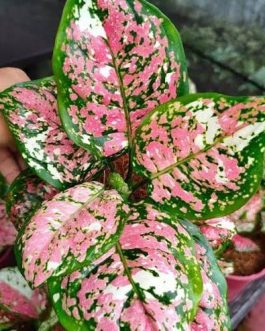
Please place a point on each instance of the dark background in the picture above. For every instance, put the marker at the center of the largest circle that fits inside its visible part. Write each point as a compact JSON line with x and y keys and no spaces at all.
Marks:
{"x":224,"y":42}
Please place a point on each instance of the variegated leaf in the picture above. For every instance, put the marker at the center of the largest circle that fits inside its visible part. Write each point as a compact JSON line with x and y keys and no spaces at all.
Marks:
{"x":3,"y":186}
{"x":218,"y":232}
{"x":70,"y":231}
{"x":213,"y":312}
{"x":17,"y":301}
{"x":25,"y":195}
{"x":8,"y":232}
{"x":114,"y":62}
{"x":149,"y":281}
{"x":244,"y":244}
{"x":202,"y":154}
{"x":31,"y":111}
{"x":247,"y":217}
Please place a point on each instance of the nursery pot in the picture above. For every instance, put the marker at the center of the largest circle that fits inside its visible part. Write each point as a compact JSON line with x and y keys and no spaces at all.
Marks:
{"x":236,"y":283}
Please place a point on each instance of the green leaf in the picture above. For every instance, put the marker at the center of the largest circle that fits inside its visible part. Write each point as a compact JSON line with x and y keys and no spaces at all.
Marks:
{"x":213,"y":311}
{"x":202,"y":154}
{"x":149,"y":281}
{"x":69,"y":231}
{"x":31,"y":112}
{"x":114,"y":62}
{"x":25,"y":195}
{"x":3,"y":187}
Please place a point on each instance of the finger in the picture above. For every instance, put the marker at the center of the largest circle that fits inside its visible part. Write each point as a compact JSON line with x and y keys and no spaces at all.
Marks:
{"x":11,"y":76}
{"x":6,"y":138}
{"x":8,"y":165}
{"x":21,"y":163}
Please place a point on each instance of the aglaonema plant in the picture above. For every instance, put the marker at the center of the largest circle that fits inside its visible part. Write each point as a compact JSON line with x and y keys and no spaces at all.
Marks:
{"x":120,"y":90}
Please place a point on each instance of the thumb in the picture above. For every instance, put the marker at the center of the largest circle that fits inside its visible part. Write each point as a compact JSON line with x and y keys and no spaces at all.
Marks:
{"x":9,"y":77}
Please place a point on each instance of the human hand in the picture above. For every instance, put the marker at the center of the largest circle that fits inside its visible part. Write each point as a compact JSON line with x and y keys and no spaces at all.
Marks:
{"x":10,"y":161}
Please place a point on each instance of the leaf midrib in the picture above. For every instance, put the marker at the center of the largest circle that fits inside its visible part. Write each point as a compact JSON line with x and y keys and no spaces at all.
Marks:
{"x":73,"y":215}
{"x":132,"y":282}
{"x":125,"y":108}
{"x":193,"y":156}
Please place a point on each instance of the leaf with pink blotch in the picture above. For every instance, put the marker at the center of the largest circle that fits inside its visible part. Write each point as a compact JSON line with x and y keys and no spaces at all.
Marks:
{"x":248,"y":217}
{"x":8,"y":232}
{"x":18,"y":302}
{"x":202,"y":155}
{"x":218,"y":232}
{"x":244,"y":244}
{"x":69,"y":231}
{"x":31,"y":112}
{"x":25,"y":195}
{"x":212,"y":314}
{"x":149,"y":281}
{"x":114,"y":62}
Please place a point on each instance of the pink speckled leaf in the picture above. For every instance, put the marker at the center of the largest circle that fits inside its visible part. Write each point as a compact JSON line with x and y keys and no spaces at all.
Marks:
{"x":8,"y":232}
{"x":244,"y":244}
{"x":17,"y":301}
{"x":25,"y":195}
{"x":114,"y":62}
{"x":212,"y":314}
{"x":149,"y":281}
{"x":202,"y":154}
{"x":70,"y":231}
{"x":31,"y":112}
{"x":247,"y":217}
{"x":218,"y":232}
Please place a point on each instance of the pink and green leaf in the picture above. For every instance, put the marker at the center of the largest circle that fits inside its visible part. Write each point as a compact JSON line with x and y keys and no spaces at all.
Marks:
{"x":114,"y":62}
{"x":25,"y":195}
{"x":149,"y":281}
{"x":244,"y":244}
{"x":8,"y":232}
{"x":213,"y":312}
{"x":247,"y":217}
{"x":202,"y":154}
{"x":218,"y":232}
{"x":69,"y":231}
{"x":31,"y":112}
{"x":17,"y":301}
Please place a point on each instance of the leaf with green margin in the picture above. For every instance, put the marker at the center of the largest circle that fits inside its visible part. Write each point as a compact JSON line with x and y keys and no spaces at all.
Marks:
{"x":69,"y":231}
{"x":149,"y":281}
{"x":17,"y":301}
{"x":114,"y":62}
{"x":25,"y":195}
{"x":3,"y":187}
{"x":213,"y":311}
{"x":31,"y":112}
{"x":202,"y":154}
